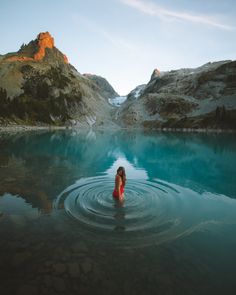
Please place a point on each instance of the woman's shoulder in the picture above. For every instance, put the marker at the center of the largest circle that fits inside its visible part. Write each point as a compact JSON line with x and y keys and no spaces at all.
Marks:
{"x":118,"y":177}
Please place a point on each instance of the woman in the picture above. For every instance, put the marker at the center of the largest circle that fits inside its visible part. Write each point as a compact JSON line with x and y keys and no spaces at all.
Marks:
{"x":120,"y":180}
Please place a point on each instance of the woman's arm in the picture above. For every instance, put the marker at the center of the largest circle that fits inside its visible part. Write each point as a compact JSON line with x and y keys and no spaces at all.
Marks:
{"x":118,"y":184}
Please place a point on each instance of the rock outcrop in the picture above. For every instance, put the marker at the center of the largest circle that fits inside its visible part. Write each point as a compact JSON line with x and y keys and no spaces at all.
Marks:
{"x":204,"y":97}
{"x":35,"y":50}
{"x":156,"y":73}
{"x":107,"y":90}
{"x":45,"y":40}
{"x":38,"y":85}
{"x":136,"y":92}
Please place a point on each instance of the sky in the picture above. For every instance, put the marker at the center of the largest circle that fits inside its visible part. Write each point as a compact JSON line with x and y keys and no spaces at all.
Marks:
{"x":125,"y":40}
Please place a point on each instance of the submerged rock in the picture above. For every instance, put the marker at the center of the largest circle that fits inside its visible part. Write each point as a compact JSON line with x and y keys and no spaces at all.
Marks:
{"x":79,"y":247}
{"x":20,"y":258}
{"x":59,"y":284}
{"x":74,"y":270}
{"x":18,"y":220}
{"x":59,"y":268}
{"x":87,"y":265}
{"x":28,"y":289}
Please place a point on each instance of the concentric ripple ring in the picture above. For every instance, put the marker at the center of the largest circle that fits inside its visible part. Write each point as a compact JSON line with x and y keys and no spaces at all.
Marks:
{"x":152,"y":211}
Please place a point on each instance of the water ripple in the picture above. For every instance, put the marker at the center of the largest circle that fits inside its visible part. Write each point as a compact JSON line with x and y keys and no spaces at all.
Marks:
{"x":152,"y":211}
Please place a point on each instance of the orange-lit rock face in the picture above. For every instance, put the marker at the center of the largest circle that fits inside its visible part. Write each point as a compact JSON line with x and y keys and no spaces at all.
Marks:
{"x":45,"y":40}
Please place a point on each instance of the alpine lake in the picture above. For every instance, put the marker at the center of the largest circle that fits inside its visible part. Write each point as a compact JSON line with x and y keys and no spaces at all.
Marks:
{"x":61,"y":231}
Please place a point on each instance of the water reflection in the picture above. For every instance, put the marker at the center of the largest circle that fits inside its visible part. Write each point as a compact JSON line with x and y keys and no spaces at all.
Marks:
{"x":39,"y":165}
{"x":119,"y":215}
{"x":132,"y":170}
{"x":17,"y":210}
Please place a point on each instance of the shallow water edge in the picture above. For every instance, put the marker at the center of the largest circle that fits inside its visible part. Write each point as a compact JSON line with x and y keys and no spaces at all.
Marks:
{"x":19,"y":128}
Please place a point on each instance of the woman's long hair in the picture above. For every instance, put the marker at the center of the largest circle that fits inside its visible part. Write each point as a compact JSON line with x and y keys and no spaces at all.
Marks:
{"x":123,"y":176}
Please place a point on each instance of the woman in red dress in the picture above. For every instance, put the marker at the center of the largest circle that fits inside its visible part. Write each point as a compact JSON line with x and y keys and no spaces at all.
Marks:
{"x":120,"y":180}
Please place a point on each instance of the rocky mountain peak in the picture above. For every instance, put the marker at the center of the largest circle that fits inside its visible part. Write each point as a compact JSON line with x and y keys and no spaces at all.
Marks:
{"x":36,"y":50}
{"x":107,"y":90}
{"x":44,"y":40}
{"x":156,"y":73}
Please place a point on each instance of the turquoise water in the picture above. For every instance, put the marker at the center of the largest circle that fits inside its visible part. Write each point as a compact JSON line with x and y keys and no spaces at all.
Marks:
{"x":63,"y":233}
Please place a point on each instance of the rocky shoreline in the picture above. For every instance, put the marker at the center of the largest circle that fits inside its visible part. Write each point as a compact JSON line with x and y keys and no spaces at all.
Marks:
{"x":18,"y":128}
{"x":22,"y":128}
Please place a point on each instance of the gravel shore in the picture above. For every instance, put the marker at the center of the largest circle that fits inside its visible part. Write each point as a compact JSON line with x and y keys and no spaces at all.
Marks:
{"x":19,"y":128}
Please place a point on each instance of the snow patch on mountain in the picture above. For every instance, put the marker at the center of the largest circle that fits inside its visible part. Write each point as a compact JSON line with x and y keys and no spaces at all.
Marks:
{"x":117,"y":101}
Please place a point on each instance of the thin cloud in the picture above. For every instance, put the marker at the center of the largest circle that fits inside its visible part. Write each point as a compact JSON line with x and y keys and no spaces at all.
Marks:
{"x":112,"y":38}
{"x":152,"y":9}
{"x":115,"y":40}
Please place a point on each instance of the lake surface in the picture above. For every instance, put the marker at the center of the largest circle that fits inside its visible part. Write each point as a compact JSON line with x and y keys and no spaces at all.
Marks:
{"x":63,"y":233}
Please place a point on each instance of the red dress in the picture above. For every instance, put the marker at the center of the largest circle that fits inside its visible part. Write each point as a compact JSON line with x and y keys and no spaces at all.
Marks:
{"x":115,"y":192}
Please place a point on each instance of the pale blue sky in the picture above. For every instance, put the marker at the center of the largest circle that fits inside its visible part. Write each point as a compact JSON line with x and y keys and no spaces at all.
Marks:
{"x":124,"y":40}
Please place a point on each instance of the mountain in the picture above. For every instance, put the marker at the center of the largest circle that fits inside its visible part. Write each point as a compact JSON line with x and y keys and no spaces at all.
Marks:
{"x":204,"y":97}
{"x":106,"y":89}
{"x":39,"y":86}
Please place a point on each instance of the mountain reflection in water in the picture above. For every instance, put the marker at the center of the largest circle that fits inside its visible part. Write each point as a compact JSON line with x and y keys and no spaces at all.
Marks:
{"x":63,"y":232}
